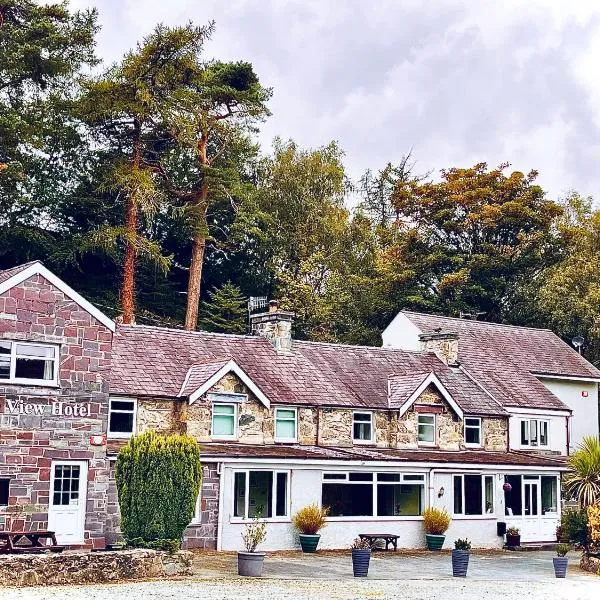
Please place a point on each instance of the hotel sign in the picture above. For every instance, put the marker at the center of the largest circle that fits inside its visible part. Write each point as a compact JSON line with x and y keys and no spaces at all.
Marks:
{"x":56,"y":408}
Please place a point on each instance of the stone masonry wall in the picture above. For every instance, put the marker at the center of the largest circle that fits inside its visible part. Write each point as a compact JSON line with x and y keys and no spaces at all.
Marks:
{"x":37,"y":311}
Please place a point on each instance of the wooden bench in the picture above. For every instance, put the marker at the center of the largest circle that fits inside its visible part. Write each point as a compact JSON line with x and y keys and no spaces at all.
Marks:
{"x":23,"y":542}
{"x":387,"y":538}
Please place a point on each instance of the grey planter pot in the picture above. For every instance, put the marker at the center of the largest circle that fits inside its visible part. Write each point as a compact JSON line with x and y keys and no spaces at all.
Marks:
{"x":560,"y":566}
{"x":460,"y":562}
{"x":360,"y":562}
{"x":250,"y":564}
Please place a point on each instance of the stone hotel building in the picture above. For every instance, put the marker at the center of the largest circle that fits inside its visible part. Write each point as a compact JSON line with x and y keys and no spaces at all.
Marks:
{"x":474,"y":417}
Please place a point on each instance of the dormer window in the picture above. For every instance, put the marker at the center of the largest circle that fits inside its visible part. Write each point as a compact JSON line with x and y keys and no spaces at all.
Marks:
{"x":472,"y":431}
{"x":534,"y":433}
{"x":426,"y":429}
{"x":362,"y":427}
{"x":223,"y":421}
{"x":28,"y":363}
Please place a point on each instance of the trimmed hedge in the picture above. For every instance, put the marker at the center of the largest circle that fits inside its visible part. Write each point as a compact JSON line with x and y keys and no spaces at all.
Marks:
{"x":158,"y":479}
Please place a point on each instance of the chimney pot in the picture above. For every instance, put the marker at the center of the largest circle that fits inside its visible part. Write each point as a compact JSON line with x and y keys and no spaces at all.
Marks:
{"x":273,"y":305}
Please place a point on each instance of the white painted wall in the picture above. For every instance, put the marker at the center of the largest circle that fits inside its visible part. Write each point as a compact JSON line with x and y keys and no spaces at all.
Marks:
{"x":585,"y":407}
{"x":401,"y":333}
{"x":340,"y":532}
{"x":557,"y":429}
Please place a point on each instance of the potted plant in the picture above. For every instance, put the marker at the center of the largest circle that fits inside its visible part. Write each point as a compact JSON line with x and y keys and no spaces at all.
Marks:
{"x":561,"y":561}
{"x":460,"y":557}
{"x":436,"y":522}
{"x":361,"y":556}
{"x":250,"y":563}
{"x":309,"y":521}
{"x":513,"y":537}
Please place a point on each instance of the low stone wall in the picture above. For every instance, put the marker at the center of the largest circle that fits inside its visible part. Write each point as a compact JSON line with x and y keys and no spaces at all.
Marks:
{"x":590,"y":563}
{"x":91,"y":567}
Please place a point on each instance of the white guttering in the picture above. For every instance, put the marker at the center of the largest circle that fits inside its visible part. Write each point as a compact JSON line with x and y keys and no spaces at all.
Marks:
{"x":220,"y":472}
{"x":566,"y":377}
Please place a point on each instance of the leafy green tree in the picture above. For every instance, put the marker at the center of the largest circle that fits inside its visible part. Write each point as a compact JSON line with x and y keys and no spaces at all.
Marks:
{"x":568,"y":293}
{"x":225,"y":311}
{"x":43,"y":48}
{"x":158,"y":479}
{"x":217,"y":110}
{"x":124,"y":105}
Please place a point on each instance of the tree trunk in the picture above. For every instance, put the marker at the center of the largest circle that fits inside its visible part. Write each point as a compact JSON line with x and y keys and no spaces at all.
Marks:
{"x":198,"y":244}
{"x":131,"y":225}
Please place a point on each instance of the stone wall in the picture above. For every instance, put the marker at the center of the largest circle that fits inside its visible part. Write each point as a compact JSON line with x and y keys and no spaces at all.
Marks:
{"x":91,"y":567}
{"x":163,"y":416}
{"x":591,"y":564}
{"x":204,"y":533}
{"x":60,"y":420}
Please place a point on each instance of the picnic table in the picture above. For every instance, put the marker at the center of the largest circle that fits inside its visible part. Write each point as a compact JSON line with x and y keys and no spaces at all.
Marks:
{"x":388,"y":538}
{"x":17,"y":542}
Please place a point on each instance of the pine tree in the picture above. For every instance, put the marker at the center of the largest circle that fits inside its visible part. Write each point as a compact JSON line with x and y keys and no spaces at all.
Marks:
{"x":226,"y":311}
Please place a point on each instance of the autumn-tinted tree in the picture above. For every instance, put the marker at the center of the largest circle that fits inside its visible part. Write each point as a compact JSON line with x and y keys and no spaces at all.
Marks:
{"x":468,"y":240}
{"x":124,"y":105}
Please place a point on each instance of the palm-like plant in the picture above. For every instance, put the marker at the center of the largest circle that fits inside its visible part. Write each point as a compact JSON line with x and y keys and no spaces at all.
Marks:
{"x":582,"y":482}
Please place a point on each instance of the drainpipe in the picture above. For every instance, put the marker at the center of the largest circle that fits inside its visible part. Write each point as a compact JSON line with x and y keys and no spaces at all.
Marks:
{"x":567,"y":419}
{"x":318,"y":424}
{"x":220,"y":472}
{"x":508,"y":434}
{"x":431,"y":487}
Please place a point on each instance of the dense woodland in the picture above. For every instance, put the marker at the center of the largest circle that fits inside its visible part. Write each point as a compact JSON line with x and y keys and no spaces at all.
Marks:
{"x":143,"y":185}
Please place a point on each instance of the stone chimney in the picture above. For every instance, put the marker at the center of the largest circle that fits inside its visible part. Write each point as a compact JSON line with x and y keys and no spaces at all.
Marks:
{"x":443,"y":343}
{"x":275,"y":325}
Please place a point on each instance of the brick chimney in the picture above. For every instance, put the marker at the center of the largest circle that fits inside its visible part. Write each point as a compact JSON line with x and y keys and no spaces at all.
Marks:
{"x":443,"y":343}
{"x":275,"y":326}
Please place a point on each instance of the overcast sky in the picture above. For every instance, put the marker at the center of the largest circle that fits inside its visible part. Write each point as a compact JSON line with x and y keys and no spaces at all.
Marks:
{"x":458,"y":81}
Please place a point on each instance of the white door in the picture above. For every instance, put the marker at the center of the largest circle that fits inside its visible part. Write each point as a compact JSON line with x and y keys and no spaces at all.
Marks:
{"x":66,"y":513}
{"x":531,"y":509}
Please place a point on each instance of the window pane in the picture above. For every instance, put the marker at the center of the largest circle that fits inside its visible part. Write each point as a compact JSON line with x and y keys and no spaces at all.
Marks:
{"x":334,"y":476}
{"x":121,"y":422}
{"x":533,"y":432}
{"x":364,"y":417}
{"x":34,"y":368}
{"x":224,"y":409}
{"x":472,"y":431}
{"x":362,"y":431}
{"x":223,"y":425}
{"x":549,"y":498}
{"x":122,"y":405}
{"x":388,"y":477}
{"x":285,"y":424}
{"x":525,"y":433}
{"x":239,"y":494}
{"x":543,"y":433}
{"x":413,"y":477}
{"x":489,"y":495}
{"x":5,"y":347}
{"x":360,"y":476}
{"x":458,"y":507}
{"x":473,"y":495}
{"x":260,"y":494}
{"x":399,"y":500}
{"x":282,"y":500}
{"x":4,"y":366}
{"x":348,"y":500}
{"x":426,"y":428}
{"x":4,"y":489}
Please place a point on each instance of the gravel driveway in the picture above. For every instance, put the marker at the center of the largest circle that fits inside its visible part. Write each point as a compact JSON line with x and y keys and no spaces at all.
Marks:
{"x":238,"y":589}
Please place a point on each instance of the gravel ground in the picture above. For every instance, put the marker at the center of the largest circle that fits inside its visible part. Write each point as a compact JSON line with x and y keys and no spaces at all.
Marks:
{"x":244,"y":589}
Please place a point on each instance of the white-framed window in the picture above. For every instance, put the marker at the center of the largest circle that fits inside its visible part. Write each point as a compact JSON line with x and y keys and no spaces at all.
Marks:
{"x":263,"y":494}
{"x":426,"y":429}
{"x":472,"y":431}
{"x":224,"y":418}
{"x":122,"y":417}
{"x":286,"y":424}
{"x":362,"y":427}
{"x":29,"y":363}
{"x":534,"y":433}
{"x":362,"y":494}
{"x":473,"y":495}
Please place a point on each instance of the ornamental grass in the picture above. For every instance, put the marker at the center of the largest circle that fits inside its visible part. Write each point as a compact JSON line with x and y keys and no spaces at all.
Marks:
{"x":436,"y":521}
{"x":310,"y":519}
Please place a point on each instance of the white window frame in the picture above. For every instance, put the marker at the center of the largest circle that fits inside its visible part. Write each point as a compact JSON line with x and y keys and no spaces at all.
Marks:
{"x":295,"y":411}
{"x":485,"y":514}
{"x":479,"y":427}
{"x":426,"y":414}
{"x":26,"y":380}
{"x":538,"y":422}
{"x":246,"y":519}
{"x":121,"y":434}
{"x":363,"y":412}
{"x":404,"y":479}
{"x":235,"y":421}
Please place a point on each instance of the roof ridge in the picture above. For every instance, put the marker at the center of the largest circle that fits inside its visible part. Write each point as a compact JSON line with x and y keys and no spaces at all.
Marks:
{"x":490,"y":323}
{"x":187,"y":331}
{"x":21,"y":266}
{"x":358,"y":346}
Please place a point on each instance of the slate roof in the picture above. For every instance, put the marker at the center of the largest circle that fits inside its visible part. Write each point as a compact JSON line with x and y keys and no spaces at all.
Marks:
{"x":6,"y":274}
{"x":199,"y":374}
{"x":298,"y":451}
{"x":153,"y":361}
{"x":505,"y":359}
{"x":402,"y":387}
